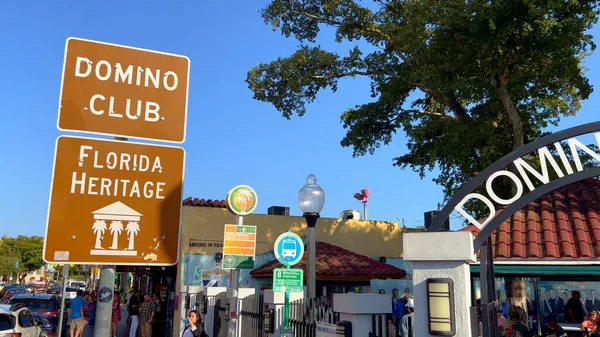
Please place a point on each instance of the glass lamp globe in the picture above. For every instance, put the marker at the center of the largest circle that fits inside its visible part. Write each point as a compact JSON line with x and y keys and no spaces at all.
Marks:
{"x":311,"y":196}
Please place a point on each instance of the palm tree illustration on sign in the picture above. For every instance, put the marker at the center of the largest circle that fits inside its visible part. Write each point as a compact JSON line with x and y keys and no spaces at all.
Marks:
{"x":132,"y":229}
{"x":242,"y":197}
{"x":116,"y":228}
{"x":115,"y":215}
{"x":99,"y":227}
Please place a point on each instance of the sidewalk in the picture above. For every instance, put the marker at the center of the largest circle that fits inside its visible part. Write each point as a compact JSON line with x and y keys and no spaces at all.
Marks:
{"x":122,"y":326}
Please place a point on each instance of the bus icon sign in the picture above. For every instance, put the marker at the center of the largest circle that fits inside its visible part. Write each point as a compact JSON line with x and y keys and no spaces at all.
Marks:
{"x":289,"y":249}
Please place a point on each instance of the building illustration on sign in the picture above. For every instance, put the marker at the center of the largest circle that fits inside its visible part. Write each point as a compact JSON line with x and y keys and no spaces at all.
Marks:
{"x":116,"y":214}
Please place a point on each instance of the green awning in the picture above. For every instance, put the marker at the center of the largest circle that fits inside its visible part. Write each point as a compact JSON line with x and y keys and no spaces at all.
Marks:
{"x":560,"y":271}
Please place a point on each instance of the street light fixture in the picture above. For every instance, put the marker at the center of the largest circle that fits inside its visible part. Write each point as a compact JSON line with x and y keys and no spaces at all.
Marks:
{"x":311,"y":199}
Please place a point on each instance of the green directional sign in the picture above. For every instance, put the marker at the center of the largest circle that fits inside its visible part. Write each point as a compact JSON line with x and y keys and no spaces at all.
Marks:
{"x":288,"y":280}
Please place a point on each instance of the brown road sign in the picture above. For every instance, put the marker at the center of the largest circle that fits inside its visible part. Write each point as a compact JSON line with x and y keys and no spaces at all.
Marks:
{"x":123,"y":91}
{"x":116,"y":203}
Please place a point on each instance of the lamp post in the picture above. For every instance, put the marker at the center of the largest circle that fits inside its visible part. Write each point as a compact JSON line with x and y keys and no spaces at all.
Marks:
{"x":311,"y":199}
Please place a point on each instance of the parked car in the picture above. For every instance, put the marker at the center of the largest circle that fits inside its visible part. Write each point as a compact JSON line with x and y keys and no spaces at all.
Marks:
{"x":18,"y":322}
{"x":7,"y":288}
{"x":70,"y":294}
{"x":39,"y":287}
{"x":10,"y":293}
{"x":77,"y":285}
{"x":54,"y":290}
{"x":45,"y":308}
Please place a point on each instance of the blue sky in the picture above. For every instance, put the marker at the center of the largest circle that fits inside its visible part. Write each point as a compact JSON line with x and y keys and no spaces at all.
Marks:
{"x":231,"y":138}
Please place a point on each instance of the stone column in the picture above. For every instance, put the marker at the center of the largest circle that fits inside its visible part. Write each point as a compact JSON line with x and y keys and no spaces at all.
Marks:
{"x":441,"y":255}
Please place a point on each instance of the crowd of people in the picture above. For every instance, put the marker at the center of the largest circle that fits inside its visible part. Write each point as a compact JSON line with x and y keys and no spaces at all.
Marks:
{"x":141,"y":309}
{"x":401,"y":321}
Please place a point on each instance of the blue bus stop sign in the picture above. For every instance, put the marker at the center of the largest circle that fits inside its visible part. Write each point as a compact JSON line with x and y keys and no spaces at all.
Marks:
{"x":289,"y":249}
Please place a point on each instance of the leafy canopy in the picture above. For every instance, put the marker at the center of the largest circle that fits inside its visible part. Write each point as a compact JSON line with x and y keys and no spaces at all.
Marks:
{"x":27,"y":250}
{"x":488,"y":75}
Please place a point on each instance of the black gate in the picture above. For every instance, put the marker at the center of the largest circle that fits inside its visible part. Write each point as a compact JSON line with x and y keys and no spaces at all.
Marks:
{"x":305,"y":313}
{"x":252,"y":316}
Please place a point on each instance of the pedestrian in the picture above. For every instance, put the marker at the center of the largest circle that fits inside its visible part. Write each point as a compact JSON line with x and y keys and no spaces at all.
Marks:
{"x":133,"y":307}
{"x":92,"y":320}
{"x":116,"y":313}
{"x":77,"y":323}
{"x":397,"y":311}
{"x":157,"y":303}
{"x":194,"y":326}
{"x":408,"y":320}
{"x":147,"y":316}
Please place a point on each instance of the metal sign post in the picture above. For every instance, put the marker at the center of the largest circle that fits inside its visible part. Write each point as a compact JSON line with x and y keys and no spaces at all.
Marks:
{"x":289,"y":250}
{"x":122,"y":190}
{"x":62,"y":298}
{"x":239,"y":246}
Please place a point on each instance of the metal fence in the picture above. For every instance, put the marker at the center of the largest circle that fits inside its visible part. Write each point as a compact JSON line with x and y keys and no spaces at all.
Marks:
{"x":379,"y":326}
{"x":252,"y":316}
{"x":305,"y":313}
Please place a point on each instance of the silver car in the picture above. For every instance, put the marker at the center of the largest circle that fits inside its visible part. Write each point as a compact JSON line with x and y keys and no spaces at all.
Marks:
{"x":19,"y":322}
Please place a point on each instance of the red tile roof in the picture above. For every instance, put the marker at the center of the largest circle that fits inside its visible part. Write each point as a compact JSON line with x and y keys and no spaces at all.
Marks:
{"x":563,"y":224}
{"x":336,"y":263}
{"x":189,"y":201}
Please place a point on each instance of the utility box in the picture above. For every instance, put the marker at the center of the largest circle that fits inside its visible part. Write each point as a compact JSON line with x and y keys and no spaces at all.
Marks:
{"x":278,"y":210}
{"x":429,"y":216}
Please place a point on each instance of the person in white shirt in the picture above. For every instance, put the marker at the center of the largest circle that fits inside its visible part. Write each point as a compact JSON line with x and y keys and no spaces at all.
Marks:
{"x":408,"y":320}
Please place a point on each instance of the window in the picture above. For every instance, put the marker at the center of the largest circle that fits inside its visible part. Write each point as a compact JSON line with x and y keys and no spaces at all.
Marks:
{"x":6,"y":322}
{"x":35,"y":305}
{"x":24,"y":320}
{"x":31,"y":319}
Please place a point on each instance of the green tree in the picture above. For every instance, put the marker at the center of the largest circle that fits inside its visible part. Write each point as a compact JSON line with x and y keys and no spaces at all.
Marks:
{"x":490,"y":75}
{"x":8,"y":257}
{"x":29,"y":250}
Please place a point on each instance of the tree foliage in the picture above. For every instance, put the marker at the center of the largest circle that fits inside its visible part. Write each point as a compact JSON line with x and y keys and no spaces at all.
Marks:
{"x":26,"y":250}
{"x":489,"y":75}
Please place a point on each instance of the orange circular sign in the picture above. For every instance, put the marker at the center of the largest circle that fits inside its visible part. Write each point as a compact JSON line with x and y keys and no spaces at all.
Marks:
{"x":242,"y":200}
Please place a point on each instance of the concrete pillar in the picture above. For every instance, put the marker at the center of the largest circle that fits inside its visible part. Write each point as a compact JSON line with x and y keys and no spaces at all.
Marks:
{"x":441,"y":255}
{"x":242,"y":294}
{"x":212,"y":294}
{"x":359,"y":309}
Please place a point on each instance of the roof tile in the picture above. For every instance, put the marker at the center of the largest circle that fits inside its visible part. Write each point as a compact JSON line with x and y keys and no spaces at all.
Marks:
{"x":189,"y":201}
{"x":334,"y":261}
{"x":562,"y":224}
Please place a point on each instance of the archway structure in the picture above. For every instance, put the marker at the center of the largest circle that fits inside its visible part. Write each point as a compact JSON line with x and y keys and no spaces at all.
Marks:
{"x":568,"y":169}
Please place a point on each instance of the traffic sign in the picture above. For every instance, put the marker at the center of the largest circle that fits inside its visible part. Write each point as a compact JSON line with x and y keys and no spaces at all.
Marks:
{"x":289,"y":249}
{"x":288,"y":280}
{"x":239,"y":247}
{"x":123,"y":91}
{"x":241,"y":200}
{"x":114,"y":203}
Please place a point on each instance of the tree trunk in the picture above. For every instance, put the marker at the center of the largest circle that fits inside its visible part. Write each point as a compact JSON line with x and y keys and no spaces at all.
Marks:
{"x":499,"y":83}
{"x":514,"y":287}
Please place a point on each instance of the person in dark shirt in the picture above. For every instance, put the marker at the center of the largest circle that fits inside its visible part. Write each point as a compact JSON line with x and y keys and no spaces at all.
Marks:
{"x":574,"y":310}
{"x":134,"y":313}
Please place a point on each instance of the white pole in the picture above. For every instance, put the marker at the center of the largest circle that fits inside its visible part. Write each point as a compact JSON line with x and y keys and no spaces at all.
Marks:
{"x":234,"y":284}
{"x":106,"y":290}
{"x":62,"y":298}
